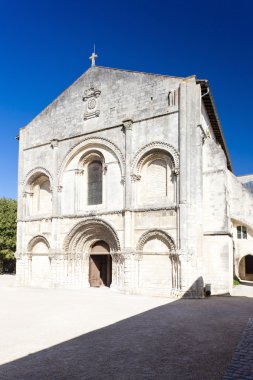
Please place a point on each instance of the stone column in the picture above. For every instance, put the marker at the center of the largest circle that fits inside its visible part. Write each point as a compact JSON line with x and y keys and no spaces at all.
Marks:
{"x":183,"y":184}
{"x":55,"y":246}
{"x":78,"y":189}
{"x":128,"y":154}
{"x":189,"y":155}
{"x":128,"y":224}
{"x":54,"y":145}
{"x":23,"y":199}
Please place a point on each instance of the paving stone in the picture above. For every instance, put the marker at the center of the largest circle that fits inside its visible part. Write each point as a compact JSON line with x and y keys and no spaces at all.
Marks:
{"x":241,"y":366}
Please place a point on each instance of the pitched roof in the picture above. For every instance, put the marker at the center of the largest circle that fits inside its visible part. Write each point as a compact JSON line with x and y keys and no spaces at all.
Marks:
{"x":214,"y":118}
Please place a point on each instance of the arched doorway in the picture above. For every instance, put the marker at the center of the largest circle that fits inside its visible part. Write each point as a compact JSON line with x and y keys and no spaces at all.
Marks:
{"x":100,"y":265}
{"x":40,"y":265}
{"x":246,"y":268}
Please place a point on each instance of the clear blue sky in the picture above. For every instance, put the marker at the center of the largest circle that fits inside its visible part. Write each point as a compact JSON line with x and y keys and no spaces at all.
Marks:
{"x":45,"y":46}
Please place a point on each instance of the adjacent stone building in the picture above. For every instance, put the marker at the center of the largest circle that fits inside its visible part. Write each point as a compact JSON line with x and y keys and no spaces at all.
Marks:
{"x":125,"y":181}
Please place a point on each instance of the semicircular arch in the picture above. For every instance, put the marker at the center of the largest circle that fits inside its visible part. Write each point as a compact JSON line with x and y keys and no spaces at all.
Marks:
{"x":92,"y":142}
{"x":155,"y":146}
{"x":35,"y":240}
{"x":88,"y":232}
{"x":33,"y":174}
{"x":156,"y":234}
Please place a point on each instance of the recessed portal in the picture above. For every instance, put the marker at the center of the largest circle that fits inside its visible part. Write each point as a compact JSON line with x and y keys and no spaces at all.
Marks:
{"x":100,"y":266}
{"x":246,"y":268}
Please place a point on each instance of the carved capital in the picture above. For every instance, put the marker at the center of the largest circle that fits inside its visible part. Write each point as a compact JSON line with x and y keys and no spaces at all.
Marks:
{"x":59,"y":189}
{"x":118,"y":258}
{"x":27,"y":193}
{"x":78,"y":171}
{"x":176,"y":171}
{"x":54,"y":143}
{"x":127,"y":124}
{"x":138,"y":256}
{"x":135,"y":177}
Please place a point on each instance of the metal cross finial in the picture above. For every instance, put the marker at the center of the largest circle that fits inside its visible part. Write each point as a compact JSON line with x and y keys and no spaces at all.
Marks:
{"x":93,"y":58}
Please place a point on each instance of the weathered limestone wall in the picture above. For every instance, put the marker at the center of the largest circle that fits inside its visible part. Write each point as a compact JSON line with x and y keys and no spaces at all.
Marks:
{"x":247,"y":181}
{"x":54,"y":143}
{"x":171,"y":243}
{"x":217,"y":243}
{"x":241,"y":201}
{"x":241,"y":211}
{"x":124,"y":95}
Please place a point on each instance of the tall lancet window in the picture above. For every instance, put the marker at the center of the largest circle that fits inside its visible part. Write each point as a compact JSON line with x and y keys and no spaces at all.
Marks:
{"x":95,"y":183}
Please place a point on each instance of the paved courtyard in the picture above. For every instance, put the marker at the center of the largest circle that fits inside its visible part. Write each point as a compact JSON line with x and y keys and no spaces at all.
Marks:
{"x":99,"y":334}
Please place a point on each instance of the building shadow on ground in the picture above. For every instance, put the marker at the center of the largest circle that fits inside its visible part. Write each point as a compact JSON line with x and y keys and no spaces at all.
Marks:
{"x":185,"y":339}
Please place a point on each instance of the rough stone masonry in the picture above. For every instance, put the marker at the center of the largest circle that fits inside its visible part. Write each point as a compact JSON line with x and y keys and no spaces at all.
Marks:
{"x":125,"y":181}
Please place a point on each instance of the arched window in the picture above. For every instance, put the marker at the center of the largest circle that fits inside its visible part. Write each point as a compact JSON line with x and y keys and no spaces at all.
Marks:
{"x":95,"y":182}
{"x":157,"y":182}
{"x":41,"y":196}
{"x":38,"y":196}
{"x":155,"y":179}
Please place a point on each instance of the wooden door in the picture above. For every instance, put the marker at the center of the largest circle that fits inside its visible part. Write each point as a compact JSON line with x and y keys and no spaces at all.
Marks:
{"x":95,"y":271}
{"x":100,"y":271}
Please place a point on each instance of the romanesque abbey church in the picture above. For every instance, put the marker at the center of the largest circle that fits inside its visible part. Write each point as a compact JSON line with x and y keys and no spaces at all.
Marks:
{"x":125,"y":181}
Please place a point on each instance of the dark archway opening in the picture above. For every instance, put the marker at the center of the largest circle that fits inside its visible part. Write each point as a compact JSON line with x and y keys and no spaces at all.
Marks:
{"x":246,"y":268}
{"x":100,"y":265}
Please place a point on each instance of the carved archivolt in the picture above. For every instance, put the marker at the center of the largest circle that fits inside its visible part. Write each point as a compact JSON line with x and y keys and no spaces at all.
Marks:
{"x":90,"y":156}
{"x":156,"y":234}
{"x":33,"y":174}
{"x":93,"y":142}
{"x":151,"y":147}
{"x":35,"y":240}
{"x":87,"y":232}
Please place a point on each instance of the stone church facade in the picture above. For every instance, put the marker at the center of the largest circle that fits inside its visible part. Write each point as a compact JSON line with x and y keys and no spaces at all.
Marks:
{"x":125,"y":181}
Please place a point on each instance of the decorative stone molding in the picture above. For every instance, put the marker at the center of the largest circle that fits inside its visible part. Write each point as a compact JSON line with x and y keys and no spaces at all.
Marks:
{"x":36,"y":172}
{"x":154,"y":146}
{"x":87,"y":232}
{"x":54,"y":143}
{"x":79,"y":171}
{"x":91,"y":99}
{"x":138,"y":256}
{"x":128,"y":123}
{"x":27,"y":193}
{"x":118,"y":258}
{"x":172,"y":98}
{"x":176,"y":171}
{"x":167,"y":207}
{"x":92,"y":142}
{"x":158,"y":234}
{"x":91,"y":92}
{"x":135,"y":177}
{"x":90,"y":156}
{"x":59,"y":189}
{"x":37,"y":239}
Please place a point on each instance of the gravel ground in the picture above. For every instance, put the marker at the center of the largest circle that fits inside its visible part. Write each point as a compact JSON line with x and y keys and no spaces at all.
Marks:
{"x":100,"y":334}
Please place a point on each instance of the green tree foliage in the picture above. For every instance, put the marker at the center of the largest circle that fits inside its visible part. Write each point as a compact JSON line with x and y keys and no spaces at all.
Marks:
{"x":8,"y":216}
